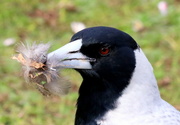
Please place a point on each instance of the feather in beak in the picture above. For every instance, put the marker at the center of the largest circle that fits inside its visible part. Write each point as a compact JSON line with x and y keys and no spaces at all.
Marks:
{"x":45,"y":76}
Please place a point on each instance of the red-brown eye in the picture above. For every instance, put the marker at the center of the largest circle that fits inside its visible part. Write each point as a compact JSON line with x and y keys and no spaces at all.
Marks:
{"x":104,"y":51}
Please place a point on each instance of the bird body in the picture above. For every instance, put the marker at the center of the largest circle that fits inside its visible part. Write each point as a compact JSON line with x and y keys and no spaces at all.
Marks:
{"x":119,"y":87}
{"x":156,"y":115}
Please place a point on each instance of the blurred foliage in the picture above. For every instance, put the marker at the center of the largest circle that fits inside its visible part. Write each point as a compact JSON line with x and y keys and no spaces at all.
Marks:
{"x":49,"y":21}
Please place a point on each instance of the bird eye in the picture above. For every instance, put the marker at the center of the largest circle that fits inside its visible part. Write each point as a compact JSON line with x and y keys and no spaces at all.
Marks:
{"x":104,"y":50}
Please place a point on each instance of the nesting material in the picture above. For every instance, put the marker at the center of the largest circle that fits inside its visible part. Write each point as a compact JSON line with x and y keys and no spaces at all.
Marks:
{"x":36,"y":71}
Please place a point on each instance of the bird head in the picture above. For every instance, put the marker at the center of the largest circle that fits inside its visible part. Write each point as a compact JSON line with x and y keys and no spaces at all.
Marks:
{"x":99,"y":51}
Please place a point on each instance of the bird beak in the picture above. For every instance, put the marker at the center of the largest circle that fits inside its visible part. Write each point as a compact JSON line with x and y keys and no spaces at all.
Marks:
{"x":69,"y":56}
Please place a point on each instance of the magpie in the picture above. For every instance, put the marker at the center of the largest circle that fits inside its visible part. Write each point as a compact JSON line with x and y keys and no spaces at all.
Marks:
{"x":119,"y":86}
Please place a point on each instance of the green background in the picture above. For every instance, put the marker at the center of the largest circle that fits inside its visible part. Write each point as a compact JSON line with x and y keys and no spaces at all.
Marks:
{"x":49,"y":21}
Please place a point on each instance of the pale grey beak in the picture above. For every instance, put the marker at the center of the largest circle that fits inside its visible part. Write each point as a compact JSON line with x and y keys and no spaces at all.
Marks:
{"x":69,"y":56}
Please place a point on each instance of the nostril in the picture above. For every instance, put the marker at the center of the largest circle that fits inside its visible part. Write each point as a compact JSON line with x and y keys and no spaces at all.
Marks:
{"x":74,"y":51}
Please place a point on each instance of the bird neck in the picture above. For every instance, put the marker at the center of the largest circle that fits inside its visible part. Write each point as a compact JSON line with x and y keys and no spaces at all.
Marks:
{"x":139,"y":98}
{"x":142,"y":91}
{"x":100,"y":98}
{"x":96,"y":97}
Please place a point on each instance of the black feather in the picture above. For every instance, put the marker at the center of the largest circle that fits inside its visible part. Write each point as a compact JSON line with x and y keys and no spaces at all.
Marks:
{"x":104,"y":83}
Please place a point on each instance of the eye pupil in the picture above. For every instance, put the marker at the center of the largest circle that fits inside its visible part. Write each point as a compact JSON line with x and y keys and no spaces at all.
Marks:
{"x":104,"y":51}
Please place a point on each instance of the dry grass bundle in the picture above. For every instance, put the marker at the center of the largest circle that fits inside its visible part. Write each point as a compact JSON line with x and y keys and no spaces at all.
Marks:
{"x":45,"y":76}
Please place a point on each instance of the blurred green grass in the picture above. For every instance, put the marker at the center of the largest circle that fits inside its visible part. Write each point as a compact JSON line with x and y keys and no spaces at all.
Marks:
{"x":49,"y":21}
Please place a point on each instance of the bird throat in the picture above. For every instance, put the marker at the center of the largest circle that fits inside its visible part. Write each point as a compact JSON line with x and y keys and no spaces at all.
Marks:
{"x":96,"y":97}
